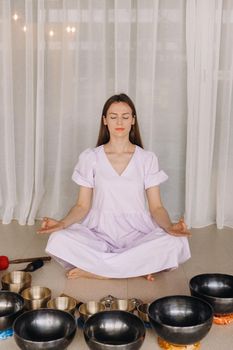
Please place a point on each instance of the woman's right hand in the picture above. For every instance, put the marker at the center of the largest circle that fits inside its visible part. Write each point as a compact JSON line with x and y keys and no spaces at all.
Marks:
{"x":179,"y":229}
{"x":50,"y":225}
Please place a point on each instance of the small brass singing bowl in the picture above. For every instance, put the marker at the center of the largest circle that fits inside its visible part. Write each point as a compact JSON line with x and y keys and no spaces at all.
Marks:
{"x":67,"y":304}
{"x":16,"y":281}
{"x":90,"y":308}
{"x":142,"y":310}
{"x":36,"y":297}
{"x":123,"y":305}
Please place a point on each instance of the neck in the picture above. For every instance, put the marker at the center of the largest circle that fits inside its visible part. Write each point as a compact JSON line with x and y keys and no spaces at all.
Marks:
{"x":119,"y":146}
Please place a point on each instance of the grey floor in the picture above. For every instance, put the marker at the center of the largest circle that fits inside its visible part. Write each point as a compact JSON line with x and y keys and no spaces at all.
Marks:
{"x":212,"y":251}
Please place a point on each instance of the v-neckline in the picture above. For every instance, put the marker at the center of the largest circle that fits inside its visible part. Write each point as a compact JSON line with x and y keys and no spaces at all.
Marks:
{"x":111,"y":166}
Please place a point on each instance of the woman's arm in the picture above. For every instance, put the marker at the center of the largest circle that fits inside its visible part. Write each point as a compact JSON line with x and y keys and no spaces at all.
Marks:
{"x":76,"y":214}
{"x":161,"y":216}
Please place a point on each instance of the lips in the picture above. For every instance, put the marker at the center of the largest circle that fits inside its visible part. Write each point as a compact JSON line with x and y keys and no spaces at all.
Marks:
{"x":120,"y":129}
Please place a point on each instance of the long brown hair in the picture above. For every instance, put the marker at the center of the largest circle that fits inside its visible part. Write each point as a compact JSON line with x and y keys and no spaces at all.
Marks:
{"x":134,"y":135}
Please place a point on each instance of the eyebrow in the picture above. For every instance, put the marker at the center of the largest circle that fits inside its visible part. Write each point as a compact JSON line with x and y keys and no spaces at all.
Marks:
{"x":122,"y":113}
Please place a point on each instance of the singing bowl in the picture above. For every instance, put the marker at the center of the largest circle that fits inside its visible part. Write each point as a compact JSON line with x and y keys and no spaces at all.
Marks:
{"x":90,"y":308}
{"x":142,"y":310}
{"x":123,"y":305}
{"x":114,"y":329}
{"x":16,"y":281}
{"x":46,"y":329}
{"x":216,"y":289}
{"x":62,"y":303}
{"x":180,"y":319}
{"x":36,"y":297}
{"x":11,"y":306}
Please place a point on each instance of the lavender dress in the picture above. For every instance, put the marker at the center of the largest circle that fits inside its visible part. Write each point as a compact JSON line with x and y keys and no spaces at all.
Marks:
{"x":118,"y":238}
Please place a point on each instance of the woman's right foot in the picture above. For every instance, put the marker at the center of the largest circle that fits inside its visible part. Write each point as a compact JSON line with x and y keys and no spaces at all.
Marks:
{"x":150,"y":277}
{"x":78,"y":273}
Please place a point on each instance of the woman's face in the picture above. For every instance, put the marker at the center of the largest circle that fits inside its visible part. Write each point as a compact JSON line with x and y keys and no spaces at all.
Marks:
{"x":119,"y":119}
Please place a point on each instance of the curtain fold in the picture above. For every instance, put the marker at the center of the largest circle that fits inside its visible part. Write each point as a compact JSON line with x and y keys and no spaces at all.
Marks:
{"x":8,"y":172}
{"x":224,"y":144}
{"x":146,"y":64}
{"x":203,"y":45}
{"x":39,"y":116}
{"x":60,"y":60}
{"x":26,"y":187}
{"x":209,"y":88}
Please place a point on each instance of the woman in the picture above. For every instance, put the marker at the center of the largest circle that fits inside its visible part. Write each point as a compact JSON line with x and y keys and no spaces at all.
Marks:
{"x":110,"y":233}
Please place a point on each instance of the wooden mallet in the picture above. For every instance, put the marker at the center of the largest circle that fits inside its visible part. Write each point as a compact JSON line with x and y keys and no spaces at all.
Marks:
{"x":5,"y":262}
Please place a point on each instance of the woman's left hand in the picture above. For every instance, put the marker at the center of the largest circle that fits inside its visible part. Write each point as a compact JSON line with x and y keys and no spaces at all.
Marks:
{"x":179,"y":229}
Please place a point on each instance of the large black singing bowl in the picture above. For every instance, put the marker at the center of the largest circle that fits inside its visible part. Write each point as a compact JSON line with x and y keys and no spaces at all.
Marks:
{"x":112,"y":330}
{"x":11,"y":306}
{"x":181,"y":319}
{"x":47,"y":329}
{"x":216,"y":289}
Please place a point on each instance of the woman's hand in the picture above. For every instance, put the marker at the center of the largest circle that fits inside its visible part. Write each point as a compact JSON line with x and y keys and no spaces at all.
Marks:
{"x":50,"y":225}
{"x":178,"y":229}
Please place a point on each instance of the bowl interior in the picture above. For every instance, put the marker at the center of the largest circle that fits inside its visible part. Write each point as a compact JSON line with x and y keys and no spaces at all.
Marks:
{"x":213,"y":285}
{"x":180,"y":311}
{"x":114,"y":328}
{"x":10,"y":303}
{"x":44,"y":325}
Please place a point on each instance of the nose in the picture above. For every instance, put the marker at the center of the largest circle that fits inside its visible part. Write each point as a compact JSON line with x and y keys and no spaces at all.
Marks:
{"x":119,"y":120}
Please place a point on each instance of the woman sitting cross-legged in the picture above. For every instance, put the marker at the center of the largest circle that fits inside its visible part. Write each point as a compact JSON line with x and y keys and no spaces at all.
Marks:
{"x":112,"y":232}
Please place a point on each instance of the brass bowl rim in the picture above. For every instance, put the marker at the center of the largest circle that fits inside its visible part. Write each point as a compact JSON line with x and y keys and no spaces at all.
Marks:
{"x":129,"y":301}
{"x":28,"y":277}
{"x":85,"y":315}
{"x":33,"y":287}
{"x":51,"y":301}
{"x":99,"y":303}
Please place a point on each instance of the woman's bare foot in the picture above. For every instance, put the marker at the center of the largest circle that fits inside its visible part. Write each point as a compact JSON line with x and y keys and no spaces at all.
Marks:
{"x":78,"y":273}
{"x":150,"y":277}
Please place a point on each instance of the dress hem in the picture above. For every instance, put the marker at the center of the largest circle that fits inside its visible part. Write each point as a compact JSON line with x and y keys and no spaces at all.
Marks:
{"x":60,"y":259}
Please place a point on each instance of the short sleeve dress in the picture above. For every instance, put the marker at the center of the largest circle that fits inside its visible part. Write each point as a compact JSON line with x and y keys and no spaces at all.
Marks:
{"x":118,"y":238}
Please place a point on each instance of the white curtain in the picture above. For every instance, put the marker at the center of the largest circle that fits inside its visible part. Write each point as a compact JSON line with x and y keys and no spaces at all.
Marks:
{"x":60,"y":61}
{"x":209,"y":165}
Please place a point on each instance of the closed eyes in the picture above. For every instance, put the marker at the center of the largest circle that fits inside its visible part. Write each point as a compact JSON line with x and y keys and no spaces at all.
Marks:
{"x":125,"y":116}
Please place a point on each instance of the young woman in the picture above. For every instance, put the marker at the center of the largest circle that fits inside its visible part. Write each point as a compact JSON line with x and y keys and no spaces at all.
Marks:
{"x":111,"y":232}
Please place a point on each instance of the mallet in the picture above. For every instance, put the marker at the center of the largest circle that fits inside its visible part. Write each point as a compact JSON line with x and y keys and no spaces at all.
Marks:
{"x":4,"y":261}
